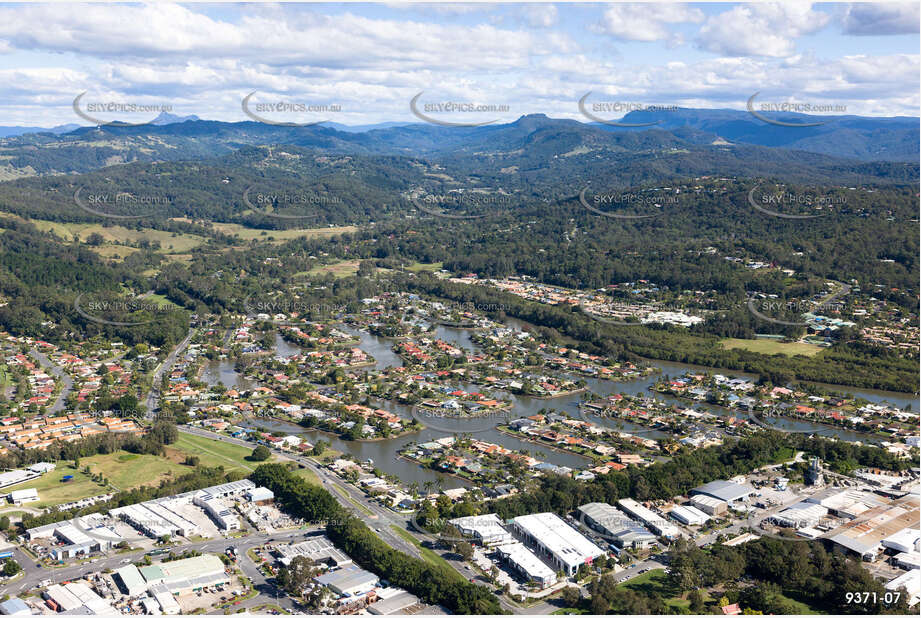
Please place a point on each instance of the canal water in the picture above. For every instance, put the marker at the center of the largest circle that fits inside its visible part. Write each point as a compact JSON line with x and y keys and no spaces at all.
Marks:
{"x":384,"y":452}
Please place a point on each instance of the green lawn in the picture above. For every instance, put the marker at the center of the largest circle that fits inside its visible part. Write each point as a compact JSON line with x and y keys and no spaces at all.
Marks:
{"x":655,"y":583}
{"x":771,"y":346}
{"x":308,"y":475}
{"x":214,"y":453}
{"x":416,"y":267}
{"x":122,"y":469}
{"x":427,"y":554}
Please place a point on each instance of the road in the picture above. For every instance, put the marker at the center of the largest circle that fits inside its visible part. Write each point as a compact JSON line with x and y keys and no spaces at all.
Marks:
{"x":380,"y":519}
{"x":153,"y":396}
{"x":58,"y":373}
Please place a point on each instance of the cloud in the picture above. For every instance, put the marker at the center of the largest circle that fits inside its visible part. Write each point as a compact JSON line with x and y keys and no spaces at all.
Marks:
{"x":881,"y":18}
{"x":760,"y":29}
{"x":645,"y":22}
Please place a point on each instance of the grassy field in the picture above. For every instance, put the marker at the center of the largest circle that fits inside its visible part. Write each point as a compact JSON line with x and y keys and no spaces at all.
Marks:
{"x":771,"y":346}
{"x":339,"y":270}
{"x":416,"y":267}
{"x":655,"y":583}
{"x":308,"y":475}
{"x":118,"y":235}
{"x":245,"y":233}
{"x":212,"y":452}
{"x":122,"y":469}
{"x":427,"y":554}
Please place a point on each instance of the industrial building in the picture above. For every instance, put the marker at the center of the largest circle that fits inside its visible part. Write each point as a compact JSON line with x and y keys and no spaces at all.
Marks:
{"x":557,"y":541}
{"x":76,"y":598}
{"x":395,"y":604}
{"x":217,"y":510}
{"x":23,"y":496}
{"x":911,"y":582}
{"x":651,"y":520}
{"x":800,"y":515}
{"x":525,"y":562}
{"x":186,"y":575}
{"x":318,"y":549}
{"x":727,"y":491}
{"x":709,"y":505}
{"x":612,"y":523}
{"x":130,"y":580}
{"x":78,"y":541}
{"x":485,"y":529}
{"x":349,"y":581}
{"x":864,"y":535}
{"x":15,"y":607}
{"x":689,"y":516}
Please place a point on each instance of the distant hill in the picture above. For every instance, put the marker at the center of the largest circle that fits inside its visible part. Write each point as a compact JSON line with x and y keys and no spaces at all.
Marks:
{"x":13,"y":131}
{"x":533,"y":142}
{"x":857,"y":137}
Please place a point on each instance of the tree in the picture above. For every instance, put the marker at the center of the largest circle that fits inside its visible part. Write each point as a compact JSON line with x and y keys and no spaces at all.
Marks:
{"x":571,"y":596}
{"x":260,"y":453}
{"x":697,"y":602}
{"x":4,"y":523}
{"x":465,"y":550}
{"x":294,"y":577}
{"x":11,"y":567}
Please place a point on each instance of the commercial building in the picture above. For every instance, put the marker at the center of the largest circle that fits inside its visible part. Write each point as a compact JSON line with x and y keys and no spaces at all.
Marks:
{"x":610,"y":522}
{"x":911,"y":582}
{"x":217,"y":510}
{"x":689,"y":516}
{"x":525,"y":562}
{"x":317,"y":549}
{"x":14,"y":477}
{"x":907,"y":540}
{"x":131,"y":582}
{"x":77,"y":541}
{"x":727,"y":491}
{"x":167,"y":603}
{"x":485,"y":529}
{"x":908,"y":560}
{"x":76,"y":598}
{"x":260,"y":495}
{"x":350,"y":581}
{"x":566,"y":549}
{"x":23,"y":496}
{"x":395,"y":604}
{"x":651,"y":520}
{"x":709,"y":505}
{"x":189,"y":574}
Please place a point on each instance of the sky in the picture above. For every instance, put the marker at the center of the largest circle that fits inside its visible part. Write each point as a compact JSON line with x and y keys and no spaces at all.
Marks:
{"x":364,"y":63}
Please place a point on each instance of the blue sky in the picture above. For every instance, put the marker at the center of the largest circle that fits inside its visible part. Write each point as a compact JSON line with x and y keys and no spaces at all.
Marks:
{"x":370,"y":60}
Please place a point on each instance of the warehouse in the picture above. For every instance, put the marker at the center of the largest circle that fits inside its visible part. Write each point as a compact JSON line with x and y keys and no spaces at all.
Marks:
{"x":689,"y":516}
{"x":218,"y":510}
{"x":130,"y":581}
{"x":727,"y":491}
{"x":186,"y":575}
{"x":525,"y":562}
{"x":167,"y":603}
{"x":350,"y":581}
{"x":709,"y":505}
{"x":23,"y":496}
{"x":864,"y":536}
{"x":559,"y":542}
{"x":318,"y":549}
{"x":486,"y":529}
{"x":651,"y":520}
{"x":395,"y":604}
{"x":612,"y":523}
{"x":911,"y":582}
{"x":800,"y":515}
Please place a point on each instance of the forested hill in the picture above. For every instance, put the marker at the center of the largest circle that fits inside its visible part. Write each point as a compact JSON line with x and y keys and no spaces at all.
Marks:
{"x":517,"y":147}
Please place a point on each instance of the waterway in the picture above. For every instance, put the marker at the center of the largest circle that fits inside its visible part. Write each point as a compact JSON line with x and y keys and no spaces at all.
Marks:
{"x":384,"y":452}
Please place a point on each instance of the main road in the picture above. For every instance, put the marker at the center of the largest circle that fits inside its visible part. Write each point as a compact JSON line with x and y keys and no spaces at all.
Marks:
{"x":153,"y":396}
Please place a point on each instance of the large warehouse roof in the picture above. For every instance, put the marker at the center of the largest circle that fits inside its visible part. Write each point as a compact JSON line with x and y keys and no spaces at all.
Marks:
{"x":725,"y":490}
